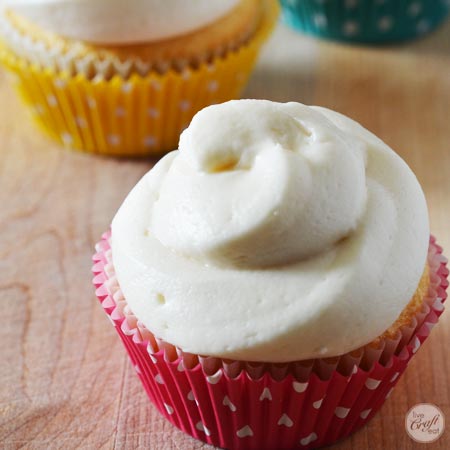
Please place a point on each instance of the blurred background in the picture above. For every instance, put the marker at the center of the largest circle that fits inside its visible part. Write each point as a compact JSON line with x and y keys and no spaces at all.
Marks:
{"x":64,"y":380}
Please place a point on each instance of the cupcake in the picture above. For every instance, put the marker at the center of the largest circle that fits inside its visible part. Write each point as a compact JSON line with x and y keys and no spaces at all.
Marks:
{"x":273,"y":277}
{"x":371,"y":21}
{"x":125,"y":78}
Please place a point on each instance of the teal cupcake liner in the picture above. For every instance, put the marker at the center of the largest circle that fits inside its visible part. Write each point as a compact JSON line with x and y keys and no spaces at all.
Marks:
{"x":369,"y":21}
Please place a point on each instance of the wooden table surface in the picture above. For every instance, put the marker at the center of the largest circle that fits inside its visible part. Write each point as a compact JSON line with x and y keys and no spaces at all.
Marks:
{"x":65,"y":381}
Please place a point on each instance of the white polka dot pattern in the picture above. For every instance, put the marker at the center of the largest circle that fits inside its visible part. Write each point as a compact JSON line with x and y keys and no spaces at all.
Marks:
{"x":152,"y":112}
{"x":120,"y":111}
{"x":127,"y":87}
{"x":113,"y":139}
{"x":423,"y":26}
{"x":213,"y":86}
{"x":60,"y":84}
{"x":350,"y":28}
{"x":38,"y":109}
{"x":91,"y":103}
{"x":81,"y":122}
{"x":52,"y":101}
{"x":365,"y":20}
{"x":149,"y":141}
{"x":66,"y":138}
{"x":385,"y":23}
{"x":185,"y":105}
{"x":351,"y":4}
{"x":414,"y":9}
{"x":320,"y":20}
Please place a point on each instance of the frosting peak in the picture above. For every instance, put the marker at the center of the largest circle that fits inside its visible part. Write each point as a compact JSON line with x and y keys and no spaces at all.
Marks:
{"x":278,"y":232}
{"x":259,"y":184}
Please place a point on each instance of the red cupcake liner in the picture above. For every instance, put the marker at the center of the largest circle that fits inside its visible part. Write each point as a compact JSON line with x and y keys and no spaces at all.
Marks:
{"x":239,"y":405}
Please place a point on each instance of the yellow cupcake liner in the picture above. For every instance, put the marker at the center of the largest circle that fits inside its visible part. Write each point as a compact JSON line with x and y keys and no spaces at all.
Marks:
{"x":137,"y":116}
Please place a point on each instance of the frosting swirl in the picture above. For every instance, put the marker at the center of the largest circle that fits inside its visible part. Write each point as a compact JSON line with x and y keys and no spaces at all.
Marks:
{"x":120,"y":21}
{"x":277,"y":232}
{"x":260,"y":192}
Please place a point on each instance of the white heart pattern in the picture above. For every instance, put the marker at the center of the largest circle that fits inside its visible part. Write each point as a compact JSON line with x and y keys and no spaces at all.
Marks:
{"x":265,"y":394}
{"x":137,"y":369}
{"x":437,"y":305}
{"x":299,"y":387}
{"x":169,"y":409}
{"x":154,"y":360}
{"x":214,"y":379}
{"x":395,"y":376}
{"x":308,"y":439}
{"x":244,"y":432}
{"x":372,"y":384}
{"x":389,"y":393}
{"x":180,"y":366}
{"x":286,"y":421}
{"x":416,"y":345}
{"x":201,"y":427}
{"x":227,"y":402}
{"x":159,"y":379}
{"x":111,"y":320}
{"x":317,"y":404}
{"x":365,"y":413}
{"x":341,"y":412}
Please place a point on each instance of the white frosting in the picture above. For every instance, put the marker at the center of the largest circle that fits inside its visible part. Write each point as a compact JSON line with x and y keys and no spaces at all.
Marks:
{"x":278,"y":232}
{"x":120,"y":21}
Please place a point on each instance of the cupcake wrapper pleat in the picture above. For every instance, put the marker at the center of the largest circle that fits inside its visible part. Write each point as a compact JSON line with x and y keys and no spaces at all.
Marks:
{"x":239,"y":405}
{"x":137,"y":115}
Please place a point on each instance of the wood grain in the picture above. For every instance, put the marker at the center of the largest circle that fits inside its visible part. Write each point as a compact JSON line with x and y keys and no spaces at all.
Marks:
{"x":65,"y":381}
